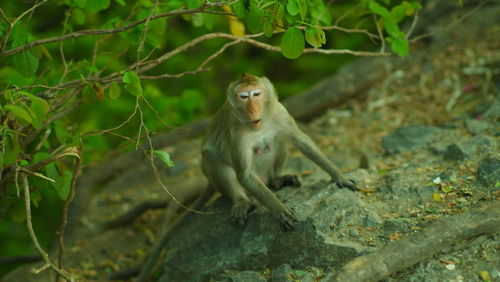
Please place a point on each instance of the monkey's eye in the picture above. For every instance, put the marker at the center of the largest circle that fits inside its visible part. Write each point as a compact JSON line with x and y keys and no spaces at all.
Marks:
{"x":244,"y":95}
{"x":255,"y":92}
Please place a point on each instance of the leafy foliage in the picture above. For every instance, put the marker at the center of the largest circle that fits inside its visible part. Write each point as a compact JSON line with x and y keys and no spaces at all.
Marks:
{"x":68,"y":88}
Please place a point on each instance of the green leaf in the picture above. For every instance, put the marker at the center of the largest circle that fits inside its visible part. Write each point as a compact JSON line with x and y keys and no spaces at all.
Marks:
{"x":11,"y":149}
{"x":239,"y":9}
{"x":62,"y":182}
{"x":41,"y":103}
{"x":123,"y":3}
{"x":165,"y":157}
{"x":398,"y":13}
{"x":378,"y":9}
{"x":254,"y":20}
{"x":399,"y":45}
{"x":1,"y":159}
{"x":315,"y":36}
{"x":81,"y":3}
{"x":302,"y":8}
{"x":114,"y":90}
{"x":61,"y":132}
{"x":417,"y":6}
{"x":292,"y":43}
{"x":193,"y":4}
{"x":38,"y":116}
{"x":19,"y":112}
{"x":132,"y":83}
{"x":79,"y":16}
{"x":40,"y":156}
{"x":392,"y":27}
{"x":292,"y":7}
{"x":25,"y":62}
{"x":268,"y":29}
{"x":281,"y":13}
{"x":95,"y":6}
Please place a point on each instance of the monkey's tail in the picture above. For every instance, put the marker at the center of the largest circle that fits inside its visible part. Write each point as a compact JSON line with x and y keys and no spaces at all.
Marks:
{"x":150,"y":262}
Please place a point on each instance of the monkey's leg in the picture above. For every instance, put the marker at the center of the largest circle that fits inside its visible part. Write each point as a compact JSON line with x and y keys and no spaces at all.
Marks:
{"x":223,"y":178}
{"x":277,"y":180}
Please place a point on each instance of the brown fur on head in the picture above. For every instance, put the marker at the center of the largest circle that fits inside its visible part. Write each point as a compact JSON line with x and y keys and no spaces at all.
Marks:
{"x":247,"y":79}
{"x":253,"y":109}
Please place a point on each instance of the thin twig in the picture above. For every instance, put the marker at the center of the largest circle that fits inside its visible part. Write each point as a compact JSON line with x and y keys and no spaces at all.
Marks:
{"x":450,"y":25}
{"x":45,"y":256}
{"x":379,"y":31}
{"x":71,"y":196}
{"x":413,"y":24}
{"x":13,"y":23}
{"x":350,"y":30}
{"x":146,"y":24}
{"x":86,"y":32}
{"x":147,"y":65}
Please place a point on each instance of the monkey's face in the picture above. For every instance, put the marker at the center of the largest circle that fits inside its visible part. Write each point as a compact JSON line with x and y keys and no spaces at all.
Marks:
{"x":251,"y":99}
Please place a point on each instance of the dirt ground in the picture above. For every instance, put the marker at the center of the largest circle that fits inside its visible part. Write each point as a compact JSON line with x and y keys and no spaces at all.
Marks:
{"x":452,"y":82}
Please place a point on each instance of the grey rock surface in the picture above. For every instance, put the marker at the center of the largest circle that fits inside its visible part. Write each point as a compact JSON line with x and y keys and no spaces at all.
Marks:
{"x":409,"y":138}
{"x":323,"y":216}
{"x":489,"y":171}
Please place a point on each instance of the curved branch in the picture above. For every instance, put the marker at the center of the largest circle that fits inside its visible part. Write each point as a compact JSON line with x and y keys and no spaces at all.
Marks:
{"x":86,"y":32}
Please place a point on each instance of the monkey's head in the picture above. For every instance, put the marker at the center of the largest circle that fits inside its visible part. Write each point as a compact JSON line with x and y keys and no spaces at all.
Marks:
{"x":251,"y":100}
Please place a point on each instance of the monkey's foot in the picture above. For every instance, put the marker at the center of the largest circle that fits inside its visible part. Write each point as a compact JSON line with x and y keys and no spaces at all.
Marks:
{"x":287,"y":220}
{"x":285,"y":180}
{"x":347,"y":183}
{"x":240,"y":211}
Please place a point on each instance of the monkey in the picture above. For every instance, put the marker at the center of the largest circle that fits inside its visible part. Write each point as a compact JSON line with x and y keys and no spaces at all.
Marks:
{"x":244,"y":150}
{"x":243,"y":154}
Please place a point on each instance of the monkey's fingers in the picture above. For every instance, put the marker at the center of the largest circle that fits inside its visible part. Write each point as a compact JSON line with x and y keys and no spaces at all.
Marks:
{"x":285,"y":180}
{"x":287,"y":220}
{"x":240,"y":212}
{"x":292,"y":180}
{"x":347,"y":183}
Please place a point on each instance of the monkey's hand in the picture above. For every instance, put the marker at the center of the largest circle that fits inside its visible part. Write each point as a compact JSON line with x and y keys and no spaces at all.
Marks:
{"x":287,"y":219}
{"x":285,"y":180}
{"x":240,"y":211}
{"x":346,"y":183}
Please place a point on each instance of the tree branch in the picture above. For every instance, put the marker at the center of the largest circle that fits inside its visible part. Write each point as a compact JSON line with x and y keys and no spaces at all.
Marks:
{"x":87,"y":32}
{"x":399,"y":255}
{"x":45,"y":256}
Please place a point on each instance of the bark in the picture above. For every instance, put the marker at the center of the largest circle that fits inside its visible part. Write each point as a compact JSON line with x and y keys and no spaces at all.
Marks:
{"x":399,"y":255}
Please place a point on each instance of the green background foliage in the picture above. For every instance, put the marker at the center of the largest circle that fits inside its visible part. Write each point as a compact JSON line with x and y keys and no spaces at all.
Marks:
{"x":35,"y":127}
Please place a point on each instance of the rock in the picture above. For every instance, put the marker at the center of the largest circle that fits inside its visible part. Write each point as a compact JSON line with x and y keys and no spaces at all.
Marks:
{"x":206,"y":245}
{"x":454,"y":153}
{"x":493,"y":112}
{"x":488,"y":172}
{"x":307,"y":278}
{"x":409,"y":138}
{"x":246,"y":276}
{"x":476,"y":127}
{"x":353,"y":233}
{"x":281,"y":273}
{"x":373,"y":219}
{"x":478,"y":144}
{"x":395,"y":225}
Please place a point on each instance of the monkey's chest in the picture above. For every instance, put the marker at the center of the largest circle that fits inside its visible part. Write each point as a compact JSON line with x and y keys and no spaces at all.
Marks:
{"x":263,"y":158}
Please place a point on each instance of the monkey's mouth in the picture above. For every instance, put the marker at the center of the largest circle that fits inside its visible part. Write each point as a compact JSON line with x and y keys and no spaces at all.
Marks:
{"x":255,"y":122}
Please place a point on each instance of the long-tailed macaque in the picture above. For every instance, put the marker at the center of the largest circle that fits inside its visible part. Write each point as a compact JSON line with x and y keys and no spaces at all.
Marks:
{"x":244,"y":150}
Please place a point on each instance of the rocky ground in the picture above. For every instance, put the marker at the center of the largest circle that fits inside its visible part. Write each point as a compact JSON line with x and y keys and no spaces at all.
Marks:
{"x":423,"y":144}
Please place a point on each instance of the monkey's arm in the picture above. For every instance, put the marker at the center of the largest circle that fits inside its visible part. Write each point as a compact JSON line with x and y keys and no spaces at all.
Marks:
{"x":307,"y":146}
{"x":259,"y":190}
